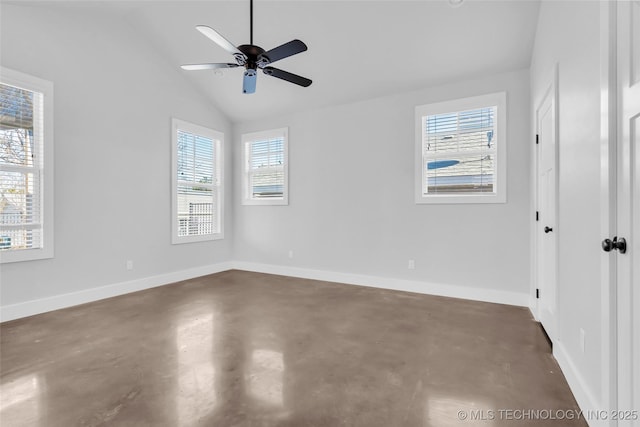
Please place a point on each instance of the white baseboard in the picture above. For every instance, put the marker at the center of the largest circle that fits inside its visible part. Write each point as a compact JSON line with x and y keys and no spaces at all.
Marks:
{"x":43,"y":305}
{"x":464,"y":292}
{"x":584,"y":397}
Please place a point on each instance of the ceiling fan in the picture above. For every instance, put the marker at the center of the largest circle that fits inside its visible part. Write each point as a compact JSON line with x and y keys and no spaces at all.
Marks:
{"x":252,"y":57}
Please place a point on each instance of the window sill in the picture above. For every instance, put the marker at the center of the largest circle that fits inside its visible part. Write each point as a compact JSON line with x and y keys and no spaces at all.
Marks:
{"x":178,"y":240}
{"x":264,"y":202}
{"x":25,"y":255}
{"x":441,"y":199}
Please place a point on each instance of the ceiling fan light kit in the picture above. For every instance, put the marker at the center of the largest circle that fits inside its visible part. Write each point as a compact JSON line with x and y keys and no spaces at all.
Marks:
{"x":252,"y":58}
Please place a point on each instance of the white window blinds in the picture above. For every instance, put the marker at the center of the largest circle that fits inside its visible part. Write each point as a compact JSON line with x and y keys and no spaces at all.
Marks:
{"x":197,"y":183}
{"x":21,"y":165}
{"x":461,"y":150}
{"x":266,"y":168}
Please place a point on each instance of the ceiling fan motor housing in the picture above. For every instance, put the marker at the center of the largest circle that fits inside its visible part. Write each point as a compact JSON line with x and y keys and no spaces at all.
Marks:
{"x":254,"y":57}
{"x":252,"y":60}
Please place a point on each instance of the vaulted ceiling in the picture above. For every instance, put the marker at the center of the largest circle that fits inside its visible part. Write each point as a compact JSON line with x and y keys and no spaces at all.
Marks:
{"x":357,"y":49}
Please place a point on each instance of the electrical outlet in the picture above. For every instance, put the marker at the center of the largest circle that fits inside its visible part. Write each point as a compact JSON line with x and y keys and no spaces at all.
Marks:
{"x":129,"y":265}
{"x":412,"y":264}
{"x":582,"y":339}
{"x":290,"y":254}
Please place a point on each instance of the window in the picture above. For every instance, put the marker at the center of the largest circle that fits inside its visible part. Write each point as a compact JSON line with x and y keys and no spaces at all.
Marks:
{"x":461,"y":151}
{"x":266,"y":167}
{"x":26,"y":167}
{"x":197,"y":183}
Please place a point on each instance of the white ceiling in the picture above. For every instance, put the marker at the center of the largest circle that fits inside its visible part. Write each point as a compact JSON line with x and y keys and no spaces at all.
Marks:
{"x":357,"y":49}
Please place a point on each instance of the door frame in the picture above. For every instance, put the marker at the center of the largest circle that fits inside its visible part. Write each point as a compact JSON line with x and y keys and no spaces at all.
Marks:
{"x":627,"y":192}
{"x":550,"y":91}
{"x":608,"y":202}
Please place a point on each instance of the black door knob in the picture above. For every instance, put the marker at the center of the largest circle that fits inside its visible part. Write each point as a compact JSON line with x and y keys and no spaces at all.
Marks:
{"x":548,"y":229}
{"x":620,"y":244}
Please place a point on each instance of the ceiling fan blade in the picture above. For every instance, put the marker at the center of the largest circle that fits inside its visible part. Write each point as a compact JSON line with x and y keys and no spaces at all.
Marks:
{"x":284,"y":51}
{"x":249,"y":81}
{"x":219,"y":40}
{"x":193,"y":67}
{"x":285,"y":75}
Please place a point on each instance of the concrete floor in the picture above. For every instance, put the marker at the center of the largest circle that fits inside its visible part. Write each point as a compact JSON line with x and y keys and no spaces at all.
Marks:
{"x":249,"y":349}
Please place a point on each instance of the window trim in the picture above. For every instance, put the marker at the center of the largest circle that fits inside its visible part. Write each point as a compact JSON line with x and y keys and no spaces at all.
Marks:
{"x":247,"y":138}
{"x":498,"y":99}
{"x":45,"y":87}
{"x":216,"y":136}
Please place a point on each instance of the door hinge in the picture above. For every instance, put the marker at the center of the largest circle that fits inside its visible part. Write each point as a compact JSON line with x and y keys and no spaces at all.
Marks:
{"x":537,"y":216}
{"x":537,"y":293}
{"x":537,"y":139}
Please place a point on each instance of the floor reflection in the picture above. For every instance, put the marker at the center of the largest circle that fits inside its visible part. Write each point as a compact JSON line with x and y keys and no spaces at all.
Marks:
{"x":196,"y":371}
{"x":20,"y":401}
{"x":445,"y":411}
{"x":266,"y":371}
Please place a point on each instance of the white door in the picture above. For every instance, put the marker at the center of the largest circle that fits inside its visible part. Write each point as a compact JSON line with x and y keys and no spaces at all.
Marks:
{"x":628,"y":208}
{"x":546,"y":225}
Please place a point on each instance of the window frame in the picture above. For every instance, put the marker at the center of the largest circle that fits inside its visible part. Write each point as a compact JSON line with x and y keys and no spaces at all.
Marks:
{"x":247,"y":139}
{"x":218,"y":158}
{"x":45,"y":166}
{"x":499,"y":195}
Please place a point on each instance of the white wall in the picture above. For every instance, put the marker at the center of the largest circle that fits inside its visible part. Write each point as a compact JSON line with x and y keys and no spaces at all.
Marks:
{"x":351,"y":197}
{"x":113,"y":103}
{"x":568,"y":35}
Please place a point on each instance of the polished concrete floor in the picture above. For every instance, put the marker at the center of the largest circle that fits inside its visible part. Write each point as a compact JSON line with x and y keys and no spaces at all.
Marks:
{"x":249,"y":349}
